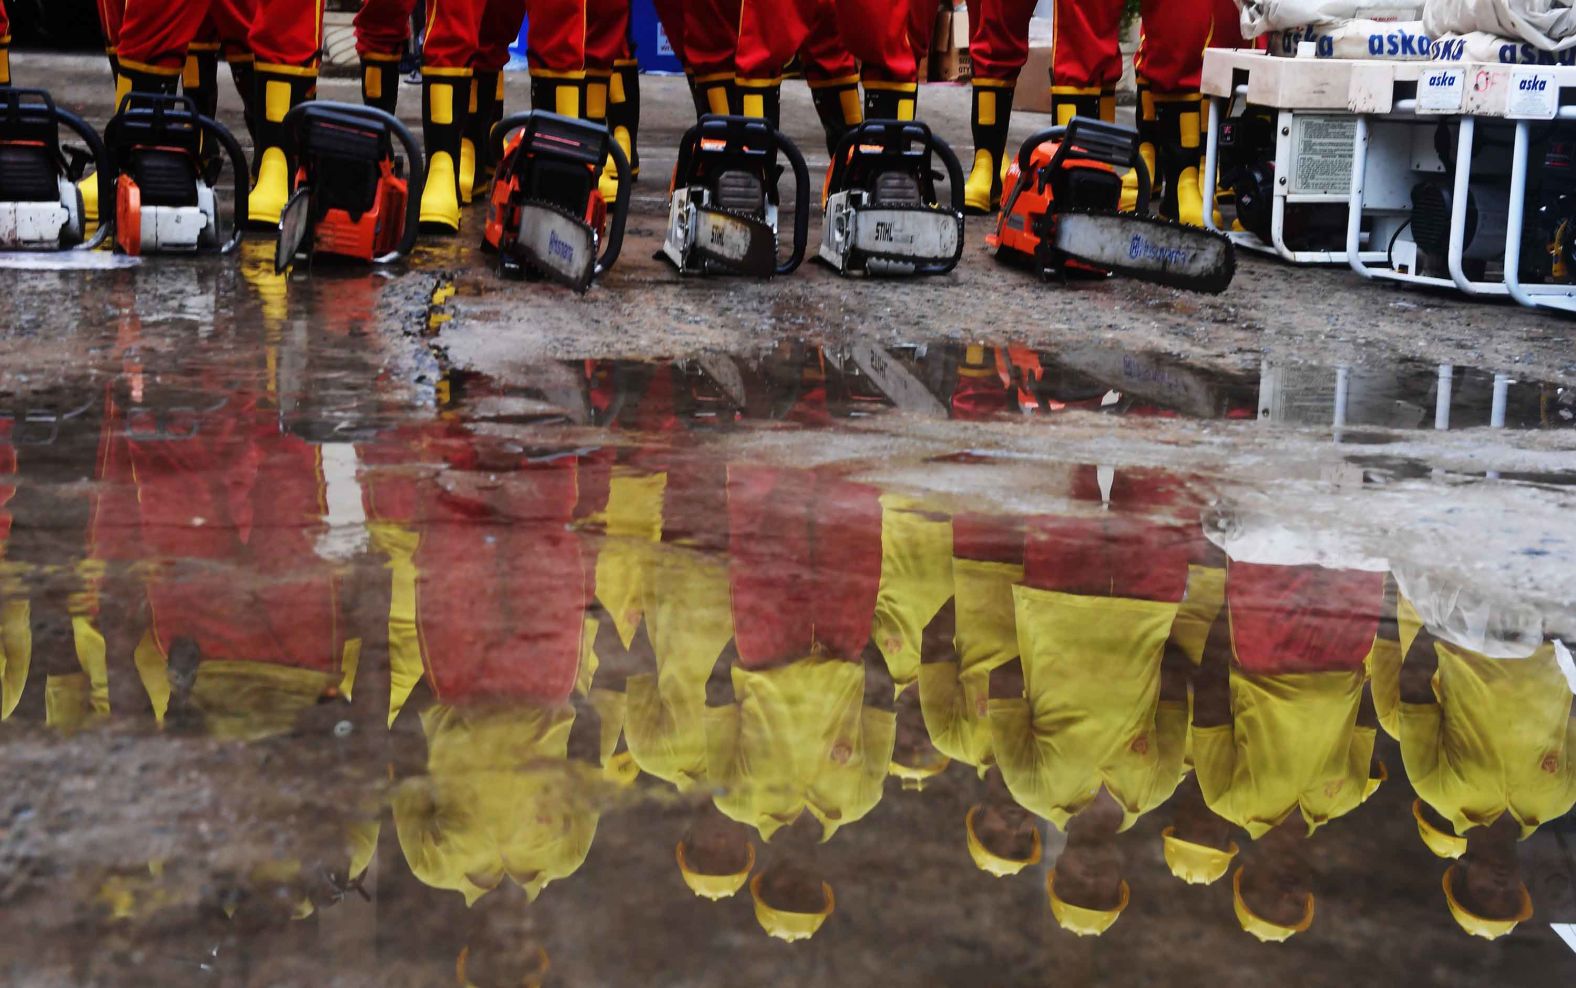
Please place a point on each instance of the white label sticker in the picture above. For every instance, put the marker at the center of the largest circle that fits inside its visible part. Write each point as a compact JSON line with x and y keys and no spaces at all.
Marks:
{"x":1442,"y":91}
{"x":1323,"y":148}
{"x":1533,"y":95}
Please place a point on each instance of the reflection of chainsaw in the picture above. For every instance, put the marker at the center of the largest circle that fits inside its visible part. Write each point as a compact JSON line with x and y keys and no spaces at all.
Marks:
{"x":40,"y":206}
{"x":165,"y":200}
{"x":547,"y":216}
{"x":351,"y":198}
{"x":1061,"y":212}
{"x":883,"y":214}
{"x":724,"y":201}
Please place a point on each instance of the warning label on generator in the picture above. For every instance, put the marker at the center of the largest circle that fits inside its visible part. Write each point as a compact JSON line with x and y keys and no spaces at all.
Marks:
{"x":1322,"y":154}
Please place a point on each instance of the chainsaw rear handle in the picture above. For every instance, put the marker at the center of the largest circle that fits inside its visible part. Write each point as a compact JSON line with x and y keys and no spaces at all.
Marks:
{"x":801,"y":208}
{"x":578,"y":139}
{"x":894,"y":137}
{"x":103,"y":171}
{"x":615,"y":229}
{"x":302,"y":114}
{"x":159,"y":116}
{"x":1087,"y":139}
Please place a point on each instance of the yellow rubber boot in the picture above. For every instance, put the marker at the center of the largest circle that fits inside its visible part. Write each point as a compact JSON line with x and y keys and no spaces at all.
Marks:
{"x":1146,"y":148}
{"x":1181,"y":157}
{"x":282,"y":88}
{"x":444,"y":102}
{"x":991,"y":116}
{"x":623,"y":111}
{"x":468,"y":150}
{"x":838,"y":105}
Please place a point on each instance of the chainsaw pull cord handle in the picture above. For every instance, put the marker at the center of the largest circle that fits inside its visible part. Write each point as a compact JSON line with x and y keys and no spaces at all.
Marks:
{"x":103,"y":170}
{"x":242,"y":174}
{"x":615,"y":232}
{"x":801,"y":206}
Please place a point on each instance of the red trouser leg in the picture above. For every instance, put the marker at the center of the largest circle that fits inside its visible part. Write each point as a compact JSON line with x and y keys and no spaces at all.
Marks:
{"x":287,"y":33}
{"x":712,"y":36}
{"x":1175,"y":34}
{"x":671,"y":15}
{"x":771,"y":32}
{"x":999,"y":38}
{"x":154,"y":34}
{"x":877,"y":32}
{"x":556,"y":37}
{"x":825,"y":56}
{"x":1228,"y":27}
{"x":607,"y":33}
{"x":383,"y":27}
{"x":450,"y":38}
{"x":111,"y":13}
{"x":500,"y":26}
{"x":1085,"y":56}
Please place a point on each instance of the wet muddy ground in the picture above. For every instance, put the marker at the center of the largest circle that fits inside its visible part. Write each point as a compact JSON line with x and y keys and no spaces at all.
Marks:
{"x":517,"y":503}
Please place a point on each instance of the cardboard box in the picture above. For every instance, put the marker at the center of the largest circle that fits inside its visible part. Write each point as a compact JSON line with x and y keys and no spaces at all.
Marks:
{"x":1033,"y":92}
{"x":949,"y":43}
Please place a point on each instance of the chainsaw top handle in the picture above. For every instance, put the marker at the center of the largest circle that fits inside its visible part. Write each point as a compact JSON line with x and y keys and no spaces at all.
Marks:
{"x":899,"y":138}
{"x":161,"y":120}
{"x":752,"y":139}
{"x":354,"y":115}
{"x":31,"y":114}
{"x":1087,"y":139}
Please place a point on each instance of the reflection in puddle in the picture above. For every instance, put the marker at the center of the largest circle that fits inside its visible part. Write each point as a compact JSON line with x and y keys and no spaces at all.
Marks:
{"x":486,"y":690}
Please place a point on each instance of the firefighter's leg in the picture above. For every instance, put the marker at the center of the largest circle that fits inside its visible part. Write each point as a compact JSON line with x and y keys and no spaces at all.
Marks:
{"x":500,"y":26}
{"x":1148,"y":133}
{"x":771,"y":32}
{"x":833,"y":76}
{"x":154,"y":36}
{"x":877,"y":33}
{"x":453,"y":27}
{"x":1176,"y":32}
{"x":998,"y":49}
{"x":382,"y":31}
{"x":286,"y":40}
{"x":607,"y":41}
{"x":711,"y":41}
{"x":1085,"y":54}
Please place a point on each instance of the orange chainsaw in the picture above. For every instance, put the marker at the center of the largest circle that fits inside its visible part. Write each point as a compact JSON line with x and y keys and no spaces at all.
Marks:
{"x":1061,"y":216}
{"x":546,"y":217}
{"x":352,"y":198}
{"x":165,"y":199}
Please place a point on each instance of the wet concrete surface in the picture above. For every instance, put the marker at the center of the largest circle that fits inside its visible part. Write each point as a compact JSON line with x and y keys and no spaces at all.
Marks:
{"x":366,"y":628}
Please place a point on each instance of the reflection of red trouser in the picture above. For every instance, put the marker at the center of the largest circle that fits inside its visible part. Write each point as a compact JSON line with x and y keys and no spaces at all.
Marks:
{"x":1302,"y":618}
{"x":704,"y":35}
{"x":383,"y":27}
{"x":501,"y":589}
{"x":999,"y":37}
{"x":988,"y":538}
{"x":805,"y":562}
{"x":1125,"y":550}
{"x":5,"y":23}
{"x":881,"y":34}
{"x":1085,"y":53}
{"x":154,"y":34}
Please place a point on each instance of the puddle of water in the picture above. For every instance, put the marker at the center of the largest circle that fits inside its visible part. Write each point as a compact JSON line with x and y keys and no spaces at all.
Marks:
{"x":311,"y":679}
